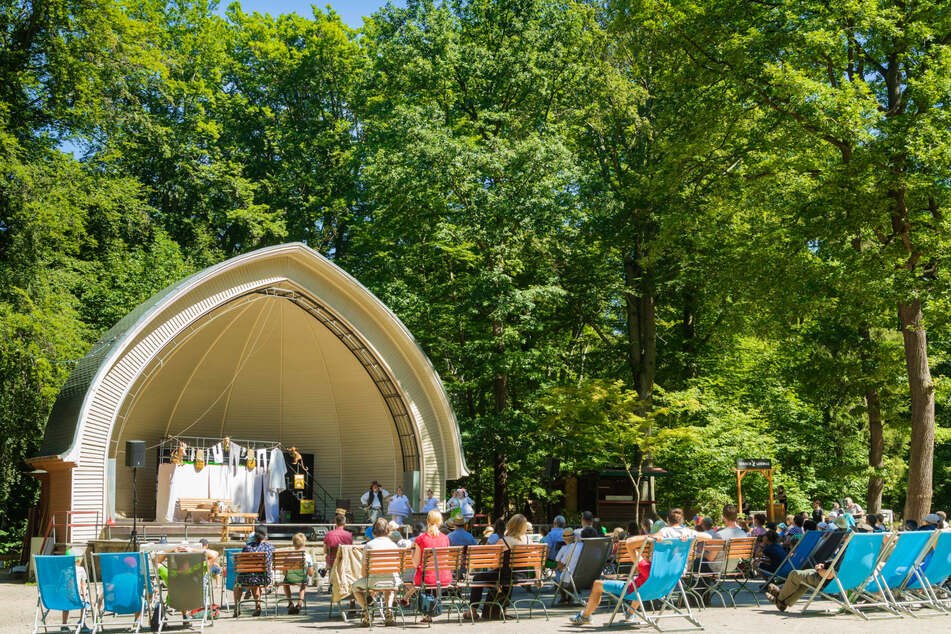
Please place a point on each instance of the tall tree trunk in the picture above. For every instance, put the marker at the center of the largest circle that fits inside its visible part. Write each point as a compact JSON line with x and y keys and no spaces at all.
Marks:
{"x":642,"y":342}
{"x":921,"y":461}
{"x":641,"y":329}
{"x":500,"y":466}
{"x":876,"y":450}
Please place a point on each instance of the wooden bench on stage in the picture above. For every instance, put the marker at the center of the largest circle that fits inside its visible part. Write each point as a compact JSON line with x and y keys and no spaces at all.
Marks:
{"x":188,"y":506}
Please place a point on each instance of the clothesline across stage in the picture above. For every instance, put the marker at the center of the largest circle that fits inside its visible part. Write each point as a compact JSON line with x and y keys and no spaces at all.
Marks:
{"x":229,"y":481}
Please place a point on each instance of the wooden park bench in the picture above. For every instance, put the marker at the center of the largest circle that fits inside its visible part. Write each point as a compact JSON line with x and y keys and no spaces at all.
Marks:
{"x":189,"y":506}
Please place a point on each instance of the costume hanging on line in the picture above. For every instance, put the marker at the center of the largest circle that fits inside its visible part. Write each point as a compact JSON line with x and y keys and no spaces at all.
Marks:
{"x":274,"y":484}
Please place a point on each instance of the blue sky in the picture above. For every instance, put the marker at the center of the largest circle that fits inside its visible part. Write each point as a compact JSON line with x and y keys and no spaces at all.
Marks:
{"x":351,"y":11}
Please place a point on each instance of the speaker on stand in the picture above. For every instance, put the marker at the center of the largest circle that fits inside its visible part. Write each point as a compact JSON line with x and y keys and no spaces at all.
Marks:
{"x":135,"y":458}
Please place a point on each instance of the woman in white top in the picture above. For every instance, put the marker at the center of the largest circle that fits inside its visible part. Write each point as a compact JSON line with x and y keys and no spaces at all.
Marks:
{"x":463,"y":502}
{"x":399,"y":507}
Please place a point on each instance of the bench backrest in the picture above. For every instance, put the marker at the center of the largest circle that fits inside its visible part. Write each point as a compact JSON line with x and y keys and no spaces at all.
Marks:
{"x":186,"y":585}
{"x":287,"y":560}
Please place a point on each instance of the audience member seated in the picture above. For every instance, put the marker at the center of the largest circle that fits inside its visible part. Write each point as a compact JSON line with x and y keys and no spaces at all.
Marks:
{"x":617,"y":587}
{"x":567,"y":559}
{"x":257,"y":543}
{"x":707,"y":524}
{"x":759,"y":525}
{"x":460,"y":536}
{"x":798,"y":583}
{"x":361,"y":587}
{"x":587,"y":519}
{"x":515,"y":534}
{"x":498,"y":531}
{"x":730,"y":528}
{"x":773,"y":552}
{"x":431,"y":538}
{"x":675,"y":528}
{"x":554,"y":538}
{"x":298,"y":577}
{"x":794,"y":533}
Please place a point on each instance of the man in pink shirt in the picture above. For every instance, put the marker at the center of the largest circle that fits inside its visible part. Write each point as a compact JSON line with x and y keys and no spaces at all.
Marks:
{"x":339,"y":536}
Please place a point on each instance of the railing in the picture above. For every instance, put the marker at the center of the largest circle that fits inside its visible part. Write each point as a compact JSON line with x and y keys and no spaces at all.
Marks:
{"x":70,"y":524}
{"x":324,"y":502}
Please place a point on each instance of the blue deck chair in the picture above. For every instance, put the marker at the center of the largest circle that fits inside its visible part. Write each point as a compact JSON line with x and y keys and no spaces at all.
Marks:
{"x":933,"y":571}
{"x":57,"y":589}
{"x":126,"y":586}
{"x":907,"y":551}
{"x":668,"y":564}
{"x":798,"y":558}
{"x":857,"y":561}
{"x":227,"y":587}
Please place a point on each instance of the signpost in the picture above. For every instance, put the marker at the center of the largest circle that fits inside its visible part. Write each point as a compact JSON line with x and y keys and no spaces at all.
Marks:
{"x":764,"y":466}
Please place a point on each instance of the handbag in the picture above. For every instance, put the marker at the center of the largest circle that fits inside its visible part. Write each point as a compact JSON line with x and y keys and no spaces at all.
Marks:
{"x":428,"y":604}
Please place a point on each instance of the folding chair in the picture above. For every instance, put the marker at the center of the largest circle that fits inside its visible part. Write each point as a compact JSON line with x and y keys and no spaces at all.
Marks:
{"x":798,"y":558}
{"x":480,"y":561}
{"x":739,"y":551}
{"x":668,"y":563}
{"x":706,"y":569}
{"x":906,"y":554}
{"x":525,"y":564}
{"x":252,"y":564}
{"x":227,"y":587}
{"x":434,"y":561}
{"x":383,"y":571}
{"x":126,"y":586}
{"x":857,"y":560}
{"x":930,"y":574}
{"x":57,"y":589}
{"x":594,"y":553}
{"x":189,"y":586}
{"x":293,"y":561}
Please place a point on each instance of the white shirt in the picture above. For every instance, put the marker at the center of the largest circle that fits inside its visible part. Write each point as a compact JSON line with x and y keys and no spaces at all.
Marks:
{"x":569,"y":556}
{"x":381,"y":543}
{"x":676,"y":532}
{"x":855,"y":510}
{"x":365,"y":498}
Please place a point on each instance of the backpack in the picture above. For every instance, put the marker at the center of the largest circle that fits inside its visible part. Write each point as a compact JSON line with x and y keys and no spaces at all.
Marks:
{"x":158,"y":616}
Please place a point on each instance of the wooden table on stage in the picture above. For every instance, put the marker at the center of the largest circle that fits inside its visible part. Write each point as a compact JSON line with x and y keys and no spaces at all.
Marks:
{"x":227,"y":526}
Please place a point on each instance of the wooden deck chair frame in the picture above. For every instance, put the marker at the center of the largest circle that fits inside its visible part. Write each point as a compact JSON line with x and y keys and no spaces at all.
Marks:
{"x":145,"y":609}
{"x":41,"y":612}
{"x":384,"y":562}
{"x":479,"y":559}
{"x":284,"y":561}
{"x":590,"y":567}
{"x":437,"y":558}
{"x":200,"y":560}
{"x":842,"y":597}
{"x":666,"y":602}
{"x":530,"y":559}
{"x":252,"y":563}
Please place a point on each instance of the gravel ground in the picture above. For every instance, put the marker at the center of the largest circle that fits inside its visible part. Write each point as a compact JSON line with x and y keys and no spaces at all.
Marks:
{"x":18,"y":601}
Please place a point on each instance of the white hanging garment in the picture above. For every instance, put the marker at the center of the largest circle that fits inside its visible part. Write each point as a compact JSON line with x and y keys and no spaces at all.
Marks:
{"x":217,"y":454}
{"x":275,"y":483}
{"x":261,"y":457}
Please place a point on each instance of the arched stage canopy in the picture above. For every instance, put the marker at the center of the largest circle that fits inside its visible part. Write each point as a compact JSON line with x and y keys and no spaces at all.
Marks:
{"x":277,"y":344}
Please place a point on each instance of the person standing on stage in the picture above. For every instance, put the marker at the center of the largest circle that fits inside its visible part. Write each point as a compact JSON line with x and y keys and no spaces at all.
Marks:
{"x":399,"y":507}
{"x":464,"y":503}
{"x":373,"y":500}
{"x":431,"y":503}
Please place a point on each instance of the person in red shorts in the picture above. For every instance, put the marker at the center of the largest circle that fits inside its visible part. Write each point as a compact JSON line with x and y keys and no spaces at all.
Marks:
{"x":616,"y":587}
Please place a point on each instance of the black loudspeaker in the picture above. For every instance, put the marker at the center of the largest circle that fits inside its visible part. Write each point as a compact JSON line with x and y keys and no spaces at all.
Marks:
{"x":552,"y":468}
{"x":135,"y":453}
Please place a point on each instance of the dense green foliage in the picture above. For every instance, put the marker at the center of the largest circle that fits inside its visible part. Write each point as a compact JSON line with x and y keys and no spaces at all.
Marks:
{"x":705,"y":230}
